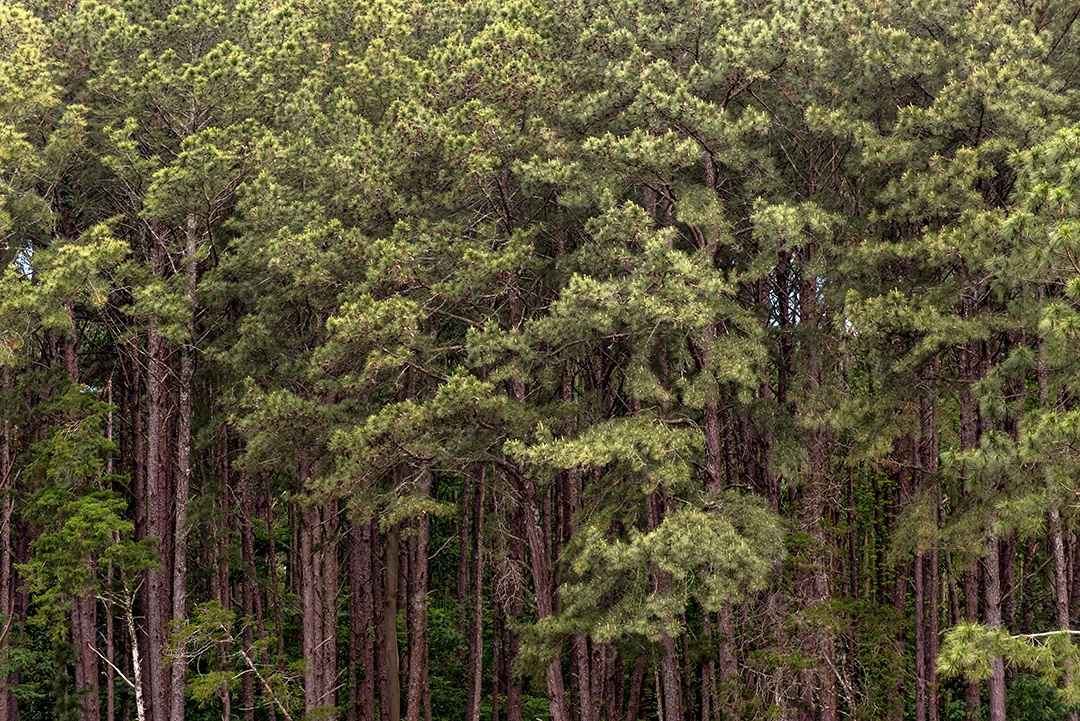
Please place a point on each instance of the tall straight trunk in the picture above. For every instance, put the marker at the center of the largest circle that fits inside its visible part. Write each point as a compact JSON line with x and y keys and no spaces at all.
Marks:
{"x":992,"y":590}
{"x":418,"y":589}
{"x":727,"y":669}
{"x":579,"y":653}
{"x":709,"y":701}
{"x":464,"y":530}
{"x":540,"y":564}
{"x":110,"y":672}
{"x":613,"y":684}
{"x":141,"y":712}
{"x":361,"y":621}
{"x":1057,"y":542}
{"x":318,"y":598}
{"x":515,"y":608}
{"x":925,"y":464}
{"x":969,"y":438}
{"x":83,"y":608}
{"x":110,"y":637}
{"x":158,"y":580}
{"x":8,"y":708}
{"x":183,"y":479}
{"x":389,"y":625}
{"x":218,"y":558}
{"x":637,"y":684}
{"x":379,"y":646}
{"x":1061,"y":589}
{"x":667,"y":676}
{"x":249,"y":592}
{"x":920,"y":641}
{"x":475,"y":669}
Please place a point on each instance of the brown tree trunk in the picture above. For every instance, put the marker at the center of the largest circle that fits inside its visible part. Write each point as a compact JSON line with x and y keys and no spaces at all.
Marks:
{"x":83,"y":608}
{"x":637,"y":684}
{"x":992,"y":589}
{"x":390,"y":644}
{"x":248,"y":591}
{"x":361,"y":621}
{"x":183,"y":491}
{"x":969,"y":438}
{"x":418,"y":570}
{"x":8,"y":707}
{"x":579,"y":653}
{"x":158,"y":606}
{"x":475,"y":669}
{"x":318,"y":599}
{"x":540,"y":564}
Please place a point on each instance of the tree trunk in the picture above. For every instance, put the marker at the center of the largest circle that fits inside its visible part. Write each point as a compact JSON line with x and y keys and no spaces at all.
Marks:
{"x":361,"y":621}
{"x":418,"y":569}
{"x":540,"y":563}
{"x":248,"y":591}
{"x":158,"y":605}
{"x":183,"y":492}
{"x":390,"y":648}
{"x":637,"y":684}
{"x":475,"y":670}
{"x":8,"y":708}
{"x":969,"y":438}
{"x":992,"y":589}
{"x":318,"y":599}
{"x":83,"y":608}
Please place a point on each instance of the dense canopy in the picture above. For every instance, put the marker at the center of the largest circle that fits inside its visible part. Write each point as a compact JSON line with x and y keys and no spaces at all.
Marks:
{"x":539,"y":359}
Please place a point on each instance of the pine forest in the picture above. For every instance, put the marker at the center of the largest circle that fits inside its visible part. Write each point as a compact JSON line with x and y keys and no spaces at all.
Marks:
{"x":553,"y":360}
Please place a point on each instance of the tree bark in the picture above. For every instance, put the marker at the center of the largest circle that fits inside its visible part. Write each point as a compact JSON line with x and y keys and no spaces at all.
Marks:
{"x":390,"y":648}
{"x":418,"y":569}
{"x":361,"y":621}
{"x":475,"y":669}
{"x":8,"y":707}
{"x":248,"y":591}
{"x":318,"y":598}
{"x":992,"y":589}
{"x":540,"y":564}
{"x":158,"y":605}
{"x":183,"y":483}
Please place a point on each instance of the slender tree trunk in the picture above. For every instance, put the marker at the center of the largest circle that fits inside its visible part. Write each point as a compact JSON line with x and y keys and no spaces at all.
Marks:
{"x":579,"y":652}
{"x":318,"y":599}
{"x":390,"y":648}
{"x":377,"y":607}
{"x":183,"y":483}
{"x":136,"y":662}
{"x":637,"y":684}
{"x":418,"y":568}
{"x":361,"y":622}
{"x":992,"y":588}
{"x":8,"y":708}
{"x":920,"y":641}
{"x":545,"y":593}
{"x":969,"y":438}
{"x":249,"y":595}
{"x":475,"y":672}
{"x":158,"y":605}
{"x":83,"y":608}
{"x":613,"y":684}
